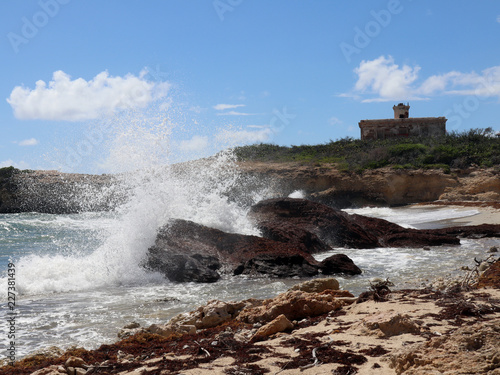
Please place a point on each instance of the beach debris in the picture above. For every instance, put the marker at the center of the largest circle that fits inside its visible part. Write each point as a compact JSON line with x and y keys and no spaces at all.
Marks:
{"x":379,"y":290}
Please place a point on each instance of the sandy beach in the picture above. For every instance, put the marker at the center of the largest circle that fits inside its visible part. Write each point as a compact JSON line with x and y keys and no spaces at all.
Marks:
{"x":487,"y":212}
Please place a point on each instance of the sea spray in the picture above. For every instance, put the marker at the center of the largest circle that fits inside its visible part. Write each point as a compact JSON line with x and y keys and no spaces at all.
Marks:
{"x":152,"y":191}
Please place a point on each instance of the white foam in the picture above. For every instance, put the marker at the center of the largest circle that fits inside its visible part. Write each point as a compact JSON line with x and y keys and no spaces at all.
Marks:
{"x":297,"y":194}
{"x":411,"y":217}
{"x":156,"y":192}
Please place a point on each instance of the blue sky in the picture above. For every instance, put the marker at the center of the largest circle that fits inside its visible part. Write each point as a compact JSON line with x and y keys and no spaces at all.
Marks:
{"x":84,"y":82}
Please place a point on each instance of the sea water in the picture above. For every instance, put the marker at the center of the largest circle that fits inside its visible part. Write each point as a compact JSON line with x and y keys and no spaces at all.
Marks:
{"x":76,"y":284}
{"x":79,"y":278}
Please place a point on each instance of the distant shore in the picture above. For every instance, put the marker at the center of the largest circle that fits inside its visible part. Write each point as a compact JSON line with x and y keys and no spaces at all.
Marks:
{"x":488,"y":212}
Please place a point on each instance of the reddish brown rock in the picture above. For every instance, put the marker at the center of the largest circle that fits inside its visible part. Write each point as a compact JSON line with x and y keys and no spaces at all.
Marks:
{"x":490,"y":277}
{"x":338,"y":264}
{"x":277,"y":217}
{"x":186,"y":251}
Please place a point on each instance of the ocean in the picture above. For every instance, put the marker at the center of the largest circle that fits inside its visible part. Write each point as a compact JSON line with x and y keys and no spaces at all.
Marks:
{"x":77,"y":279}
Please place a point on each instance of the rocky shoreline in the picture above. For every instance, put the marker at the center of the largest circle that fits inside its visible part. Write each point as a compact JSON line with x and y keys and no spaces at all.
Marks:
{"x":57,"y":192}
{"x":314,"y":328}
{"x":292,"y":230}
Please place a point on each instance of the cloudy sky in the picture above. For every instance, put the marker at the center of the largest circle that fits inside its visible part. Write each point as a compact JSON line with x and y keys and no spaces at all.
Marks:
{"x":84,"y":82}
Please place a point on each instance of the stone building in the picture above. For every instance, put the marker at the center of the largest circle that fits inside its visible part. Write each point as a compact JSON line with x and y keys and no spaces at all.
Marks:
{"x":402,"y":125}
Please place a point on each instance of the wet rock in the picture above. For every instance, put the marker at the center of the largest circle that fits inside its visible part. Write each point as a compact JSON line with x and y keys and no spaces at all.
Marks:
{"x":279,"y":324}
{"x":132,"y":325}
{"x":317,"y":285}
{"x":278,"y":266}
{"x":186,"y":251}
{"x":182,"y":267}
{"x":493,"y":249}
{"x":339,"y":229}
{"x":339,"y":264}
{"x":330,"y":226}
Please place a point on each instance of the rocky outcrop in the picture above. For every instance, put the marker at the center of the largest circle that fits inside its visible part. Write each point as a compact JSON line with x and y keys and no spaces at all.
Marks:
{"x":281,"y":219}
{"x":57,"y":193}
{"x":473,"y":349}
{"x":186,"y":251}
{"x":293,"y":230}
{"x":336,"y":228}
{"x":383,"y":186}
{"x":295,"y":305}
{"x":339,"y":263}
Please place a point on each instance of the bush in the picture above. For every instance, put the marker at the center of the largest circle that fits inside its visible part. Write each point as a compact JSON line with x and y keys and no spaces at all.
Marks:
{"x":454,"y":150}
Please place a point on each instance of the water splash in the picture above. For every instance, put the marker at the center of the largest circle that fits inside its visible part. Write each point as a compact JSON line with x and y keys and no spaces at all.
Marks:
{"x":155,"y":191}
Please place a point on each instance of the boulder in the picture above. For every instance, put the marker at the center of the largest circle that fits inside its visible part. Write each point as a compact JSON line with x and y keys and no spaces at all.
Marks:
{"x":339,"y":264}
{"x":295,"y":305}
{"x":317,"y":285}
{"x":490,"y":278}
{"x":186,"y":251}
{"x":74,"y":362}
{"x":278,"y":217}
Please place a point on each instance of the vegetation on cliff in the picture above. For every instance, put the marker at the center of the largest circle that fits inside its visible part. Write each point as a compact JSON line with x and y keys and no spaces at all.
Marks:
{"x":475,"y":147}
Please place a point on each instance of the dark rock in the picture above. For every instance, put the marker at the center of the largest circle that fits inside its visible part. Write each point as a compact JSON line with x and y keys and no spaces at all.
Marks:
{"x":287,"y":219}
{"x":278,"y":266}
{"x":339,"y":263}
{"x":8,"y":190}
{"x":57,"y":193}
{"x":181,"y":267}
{"x":186,"y":251}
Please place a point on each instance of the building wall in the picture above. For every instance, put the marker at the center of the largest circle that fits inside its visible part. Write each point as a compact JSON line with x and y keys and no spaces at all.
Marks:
{"x":404,"y":127}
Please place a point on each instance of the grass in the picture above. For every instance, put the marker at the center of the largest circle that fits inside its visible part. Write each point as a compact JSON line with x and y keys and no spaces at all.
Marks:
{"x":475,"y":147}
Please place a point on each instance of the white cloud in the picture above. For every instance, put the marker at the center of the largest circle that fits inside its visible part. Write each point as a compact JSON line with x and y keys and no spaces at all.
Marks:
{"x":76,"y":100}
{"x":498,"y":18}
{"x":223,"y":107}
{"x":235,"y":113}
{"x":28,"y":142}
{"x":197,"y":143}
{"x":239,"y":137}
{"x":383,"y":80}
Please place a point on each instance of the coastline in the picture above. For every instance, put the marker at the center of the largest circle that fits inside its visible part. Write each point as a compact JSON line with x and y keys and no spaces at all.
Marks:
{"x":400,"y":332}
{"x":488,"y":212}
